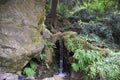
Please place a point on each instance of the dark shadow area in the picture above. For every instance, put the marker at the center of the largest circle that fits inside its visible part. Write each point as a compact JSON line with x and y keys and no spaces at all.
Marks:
{"x":3,"y":1}
{"x":66,"y":55}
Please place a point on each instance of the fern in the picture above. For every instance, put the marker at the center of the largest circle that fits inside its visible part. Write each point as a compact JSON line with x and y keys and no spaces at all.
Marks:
{"x":86,"y":57}
{"x":108,"y":68}
{"x":29,"y":72}
{"x":33,"y":65}
{"x":62,"y":10}
{"x":100,"y":7}
{"x":41,"y":57}
{"x":73,"y":44}
{"x":75,"y":67}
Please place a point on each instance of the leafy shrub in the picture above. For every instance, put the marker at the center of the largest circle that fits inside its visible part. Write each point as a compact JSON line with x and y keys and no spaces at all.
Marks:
{"x":82,"y":57}
{"x":97,"y":7}
{"x":30,"y":71}
{"x":33,"y":65}
{"x":93,"y":64}
{"x":62,"y":10}
{"x":109,"y":68}
{"x":100,"y":7}
{"x":85,"y":58}
{"x":89,"y":38}
{"x":74,"y":44}
{"x":41,"y":57}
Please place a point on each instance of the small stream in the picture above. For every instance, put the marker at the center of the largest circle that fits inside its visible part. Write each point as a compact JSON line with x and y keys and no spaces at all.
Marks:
{"x":61,"y":52}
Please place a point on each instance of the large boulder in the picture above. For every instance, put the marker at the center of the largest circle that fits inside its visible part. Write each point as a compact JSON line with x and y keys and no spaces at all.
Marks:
{"x":20,"y":24}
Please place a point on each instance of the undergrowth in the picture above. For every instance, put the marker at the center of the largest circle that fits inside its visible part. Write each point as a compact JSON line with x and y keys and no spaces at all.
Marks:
{"x":31,"y":69}
{"x":93,"y":64}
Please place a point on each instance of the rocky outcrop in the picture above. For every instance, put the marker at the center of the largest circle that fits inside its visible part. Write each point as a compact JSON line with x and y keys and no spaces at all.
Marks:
{"x":21,"y":22}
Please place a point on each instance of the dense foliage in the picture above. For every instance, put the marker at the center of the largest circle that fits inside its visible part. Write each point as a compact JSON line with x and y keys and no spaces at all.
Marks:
{"x":97,"y":7}
{"x":90,"y":62}
{"x":31,"y":69}
{"x":101,"y":7}
{"x":93,"y":64}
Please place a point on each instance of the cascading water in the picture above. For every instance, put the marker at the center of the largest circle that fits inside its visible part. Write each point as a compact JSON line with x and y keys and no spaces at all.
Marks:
{"x":61,"y":74}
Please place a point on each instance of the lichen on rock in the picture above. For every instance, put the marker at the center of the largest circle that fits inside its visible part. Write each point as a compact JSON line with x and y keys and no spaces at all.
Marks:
{"x":20,"y":38}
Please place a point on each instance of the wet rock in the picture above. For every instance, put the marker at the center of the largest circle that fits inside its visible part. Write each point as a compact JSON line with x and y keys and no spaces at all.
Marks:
{"x":20,"y":25}
{"x":54,"y":78}
{"x":23,"y":78}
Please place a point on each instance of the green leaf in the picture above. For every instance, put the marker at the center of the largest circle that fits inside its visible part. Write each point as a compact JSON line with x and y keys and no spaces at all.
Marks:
{"x":48,"y":67}
{"x":41,"y":57}
{"x":75,"y":67}
{"x":33,"y":65}
{"x":29,"y":72}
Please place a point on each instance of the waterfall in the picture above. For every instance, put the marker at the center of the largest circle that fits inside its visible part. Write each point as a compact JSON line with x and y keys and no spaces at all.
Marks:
{"x":61,"y":56}
{"x":61,"y":74}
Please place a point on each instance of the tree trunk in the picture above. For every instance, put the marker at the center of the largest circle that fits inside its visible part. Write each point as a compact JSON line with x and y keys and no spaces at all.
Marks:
{"x":53,"y":11}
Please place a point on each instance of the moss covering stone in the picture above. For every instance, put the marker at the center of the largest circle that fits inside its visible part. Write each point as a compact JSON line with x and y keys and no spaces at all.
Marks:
{"x":20,"y":26}
{"x":66,"y":36}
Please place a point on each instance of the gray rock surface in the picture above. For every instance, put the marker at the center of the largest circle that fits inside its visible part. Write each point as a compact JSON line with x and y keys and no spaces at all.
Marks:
{"x":8,"y":76}
{"x":20,"y":25}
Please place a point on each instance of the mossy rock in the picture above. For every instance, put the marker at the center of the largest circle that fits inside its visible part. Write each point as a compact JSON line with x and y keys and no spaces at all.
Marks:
{"x":66,"y":36}
{"x":20,"y":26}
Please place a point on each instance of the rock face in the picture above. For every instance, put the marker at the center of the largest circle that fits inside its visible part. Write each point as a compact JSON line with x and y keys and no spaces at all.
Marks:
{"x":8,"y":76}
{"x":20,"y":24}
